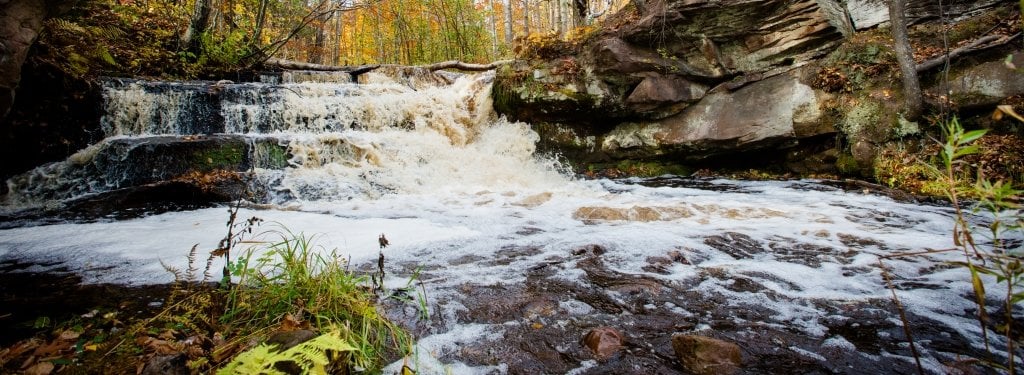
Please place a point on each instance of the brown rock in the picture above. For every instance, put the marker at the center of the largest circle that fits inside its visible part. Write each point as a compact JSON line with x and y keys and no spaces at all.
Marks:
{"x":707,"y":356}
{"x":654,"y":92}
{"x":603,"y":341}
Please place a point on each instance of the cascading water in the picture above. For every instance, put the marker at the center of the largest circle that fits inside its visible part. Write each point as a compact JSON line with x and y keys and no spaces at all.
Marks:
{"x":518,"y":260}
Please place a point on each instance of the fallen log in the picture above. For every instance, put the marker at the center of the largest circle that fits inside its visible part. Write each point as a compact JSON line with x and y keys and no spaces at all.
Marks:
{"x":459,"y":65}
{"x":298,"y":65}
{"x":981,"y":44}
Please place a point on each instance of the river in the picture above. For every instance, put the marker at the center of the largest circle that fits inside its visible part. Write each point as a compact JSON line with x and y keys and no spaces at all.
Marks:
{"x":518,"y":258}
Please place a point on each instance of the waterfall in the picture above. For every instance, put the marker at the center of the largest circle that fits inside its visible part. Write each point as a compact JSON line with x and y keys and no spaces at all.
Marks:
{"x":410,"y":131}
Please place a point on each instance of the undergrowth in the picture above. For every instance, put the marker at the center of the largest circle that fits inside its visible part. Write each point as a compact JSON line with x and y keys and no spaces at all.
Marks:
{"x":288,"y":277}
{"x":279,"y":285}
{"x":988,"y":231}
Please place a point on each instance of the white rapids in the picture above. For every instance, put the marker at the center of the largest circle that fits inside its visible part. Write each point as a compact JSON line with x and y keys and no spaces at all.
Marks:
{"x":453,"y":187}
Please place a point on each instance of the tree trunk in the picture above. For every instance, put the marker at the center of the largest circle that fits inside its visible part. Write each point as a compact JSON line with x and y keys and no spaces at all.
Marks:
{"x":494,"y":28}
{"x":465,"y":66}
{"x":261,"y":16}
{"x":526,"y":18}
{"x":905,"y":57}
{"x":200,"y":20}
{"x":579,"y":12}
{"x":316,"y":54}
{"x":508,"y":22}
{"x":559,"y":25}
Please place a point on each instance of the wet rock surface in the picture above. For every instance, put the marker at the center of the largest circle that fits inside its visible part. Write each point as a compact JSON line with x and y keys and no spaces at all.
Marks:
{"x":581,"y":310}
{"x":610,"y":322}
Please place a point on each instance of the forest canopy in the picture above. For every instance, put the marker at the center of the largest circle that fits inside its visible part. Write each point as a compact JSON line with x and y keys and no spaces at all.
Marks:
{"x":199,"y":38}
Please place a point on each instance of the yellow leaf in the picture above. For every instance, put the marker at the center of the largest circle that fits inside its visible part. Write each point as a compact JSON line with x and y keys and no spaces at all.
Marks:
{"x":90,"y":347}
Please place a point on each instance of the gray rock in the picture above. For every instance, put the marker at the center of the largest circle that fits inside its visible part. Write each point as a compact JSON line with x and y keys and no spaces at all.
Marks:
{"x":985,"y":85}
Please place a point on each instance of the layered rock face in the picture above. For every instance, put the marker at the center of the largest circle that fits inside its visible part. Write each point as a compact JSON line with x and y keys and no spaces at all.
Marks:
{"x":691,"y":80}
{"x":20,"y":24}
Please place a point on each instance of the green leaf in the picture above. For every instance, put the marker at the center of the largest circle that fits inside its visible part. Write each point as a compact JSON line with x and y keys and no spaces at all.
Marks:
{"x":972,"y":135}
{"x":967,"y":150}
{"x":105,"y":55}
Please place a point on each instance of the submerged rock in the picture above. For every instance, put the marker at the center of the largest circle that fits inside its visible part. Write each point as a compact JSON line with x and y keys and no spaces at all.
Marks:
{"x":703,"y":355}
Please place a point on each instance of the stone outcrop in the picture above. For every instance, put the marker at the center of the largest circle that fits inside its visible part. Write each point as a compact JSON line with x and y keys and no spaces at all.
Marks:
{"x":693,"y":83}
{"x":682,"y":79}
{"x":771,"y":112}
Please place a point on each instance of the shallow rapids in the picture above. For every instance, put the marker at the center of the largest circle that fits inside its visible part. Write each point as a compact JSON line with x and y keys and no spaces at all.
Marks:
{"x":518,"y":260}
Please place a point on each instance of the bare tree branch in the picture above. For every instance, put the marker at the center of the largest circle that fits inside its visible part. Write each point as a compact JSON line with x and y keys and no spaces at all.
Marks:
{"x":316,"y":12}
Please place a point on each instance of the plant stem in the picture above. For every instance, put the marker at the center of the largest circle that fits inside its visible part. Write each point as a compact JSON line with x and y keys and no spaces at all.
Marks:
{"x":903,"y":317}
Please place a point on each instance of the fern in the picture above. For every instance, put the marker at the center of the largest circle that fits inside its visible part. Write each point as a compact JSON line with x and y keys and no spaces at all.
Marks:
{"x":312,"y":356}
{"x":106,"y":32}
{"x":60,"y":25}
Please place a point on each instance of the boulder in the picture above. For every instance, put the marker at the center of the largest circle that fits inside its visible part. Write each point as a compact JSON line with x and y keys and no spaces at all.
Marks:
{"x":774,"y":112}
{"x":985,"y":85}
{"x":20,"y":23}
{"x":285,"y":340}
{"x":702,"y":355}
{"x":172,"y":364}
